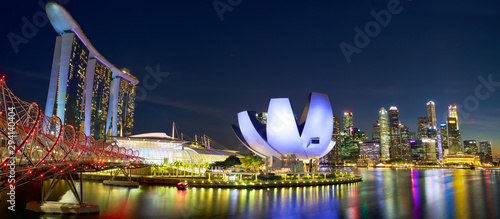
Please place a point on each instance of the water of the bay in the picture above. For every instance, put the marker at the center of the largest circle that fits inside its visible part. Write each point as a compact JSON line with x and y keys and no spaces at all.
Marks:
{"x":384,"y":193}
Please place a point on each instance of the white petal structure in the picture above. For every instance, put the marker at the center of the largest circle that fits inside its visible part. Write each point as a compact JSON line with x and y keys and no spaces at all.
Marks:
{"x":307,"y":139}
{"x":282,"y":132}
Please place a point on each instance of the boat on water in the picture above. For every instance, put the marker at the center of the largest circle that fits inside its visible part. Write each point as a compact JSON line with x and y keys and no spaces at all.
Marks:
{"x":182,"y":185}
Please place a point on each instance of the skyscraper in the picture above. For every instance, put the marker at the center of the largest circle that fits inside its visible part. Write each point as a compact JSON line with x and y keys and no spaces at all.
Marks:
{"x":376,"y":130}
{"x":429,"y":150}
{"x":370,"y":150}
{"x":66,"y":98}
{"x":453,"y":136}
{"x":485,"y":146}
{"x":348,"y":123}
{"x":99,"y":97}
{"x":485,"y":151}
{"x":431,"y":132}
{"x":385,"y":138}
{"x":396,"y":150}
{"x":431,"y":114}
{"x":85,"y":90}
{"x":439,"y":146}
{"x":452,"y":112}
{"x":336,"y":125}
{"x":422,"y":125}
{"x":335,"y":156}
{"x":125,"y":108}
{"x":416,"y":150}
{"x":405,"y":142}
{"x":470,"y":147}
{"x":444,"y":139}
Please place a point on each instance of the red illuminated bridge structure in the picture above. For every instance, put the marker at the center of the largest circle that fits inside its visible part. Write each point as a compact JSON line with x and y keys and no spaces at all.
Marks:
{"x":36,"y":147}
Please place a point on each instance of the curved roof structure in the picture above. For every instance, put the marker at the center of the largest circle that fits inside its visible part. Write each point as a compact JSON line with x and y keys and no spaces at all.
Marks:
{"x":63,"y":22}
{"x":152,"y":135}
{"x":154,"y":149}
{"x":283,"y":134}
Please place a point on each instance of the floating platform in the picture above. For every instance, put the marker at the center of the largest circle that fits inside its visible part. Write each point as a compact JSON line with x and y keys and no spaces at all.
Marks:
{"x":120,"y":183}
{"x":274,"y":184}
{"x":62,"y":208}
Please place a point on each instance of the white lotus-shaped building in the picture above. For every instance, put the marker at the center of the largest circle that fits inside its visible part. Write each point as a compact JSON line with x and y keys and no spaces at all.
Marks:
{"x":309,"y":138}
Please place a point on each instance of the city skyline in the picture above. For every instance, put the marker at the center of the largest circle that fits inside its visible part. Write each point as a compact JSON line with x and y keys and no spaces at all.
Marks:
{"x":208,"y":85}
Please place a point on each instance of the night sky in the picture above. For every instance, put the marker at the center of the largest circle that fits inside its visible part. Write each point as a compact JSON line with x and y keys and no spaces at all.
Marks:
{"x":268,"y":48}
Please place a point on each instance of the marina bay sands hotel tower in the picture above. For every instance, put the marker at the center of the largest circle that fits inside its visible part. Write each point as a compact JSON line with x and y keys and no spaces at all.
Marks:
{"x":85,"y":89}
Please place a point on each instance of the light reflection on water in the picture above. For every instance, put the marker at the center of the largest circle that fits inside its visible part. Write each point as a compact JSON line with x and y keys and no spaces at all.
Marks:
{"x":384,"y":193}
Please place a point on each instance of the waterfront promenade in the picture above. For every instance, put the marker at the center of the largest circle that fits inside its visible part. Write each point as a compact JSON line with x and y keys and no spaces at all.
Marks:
{"x":221,"y":183}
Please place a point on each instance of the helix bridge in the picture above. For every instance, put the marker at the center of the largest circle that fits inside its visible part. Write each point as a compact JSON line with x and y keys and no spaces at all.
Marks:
{"x":36,"y":147}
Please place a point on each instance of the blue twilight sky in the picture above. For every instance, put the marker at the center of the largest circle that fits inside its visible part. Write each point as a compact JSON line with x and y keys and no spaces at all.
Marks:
{"x":428,"y":50}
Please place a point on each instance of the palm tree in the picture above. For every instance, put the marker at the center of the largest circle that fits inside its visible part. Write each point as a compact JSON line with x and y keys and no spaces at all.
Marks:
{"x":206,"y":165}
{"x":169,"y":168}
{"x":165,"y":169}
{"x":192,"y":165}
{"x":160,"y":169}
{"x":246,"y":161}
{"x":256,"y":163}
{"x":177,"y":164}
{"x":184,"y":166}
{"x":153,"y":169}
{"x":199,"y":166}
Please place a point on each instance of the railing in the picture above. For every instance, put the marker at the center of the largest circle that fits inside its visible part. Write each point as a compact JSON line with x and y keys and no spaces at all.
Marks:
{"x":34,"y":146}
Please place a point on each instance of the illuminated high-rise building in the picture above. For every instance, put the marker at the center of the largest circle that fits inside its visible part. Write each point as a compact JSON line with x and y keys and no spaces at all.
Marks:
{"x":84,"y":88}
{"x":445,"y":148}
{"x":125,"y":107}
{"x":485,"y":147}
{"x":67,"y":83}
{"x":485,"y":151}
{"x":454,"y":136}
{"x":358,"y":135}
{"x":376,"y":130}
{"x":431,"y":114}
{"x":405,"y":142}
{"x":422,"y":126}
{"x":470,"y":147}
{"x":396,"y":149}
{"x":439,"y":148}
{"x":385,"y":138}
{"x":452,"y":113}
{"x":99,"y":98}
{"x":335,"y":156}
{"x":347,"y":123}
{"x":416,"y":150}
{"x":429,"y":150}
{"x":369,"y":150}
{"x":336,"y":125}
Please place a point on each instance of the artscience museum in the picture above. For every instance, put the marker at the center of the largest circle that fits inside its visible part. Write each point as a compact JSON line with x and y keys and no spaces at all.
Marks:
{"x":309,"y":137}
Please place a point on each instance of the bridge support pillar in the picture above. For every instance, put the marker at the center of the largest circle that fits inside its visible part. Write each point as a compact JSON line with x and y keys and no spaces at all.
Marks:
{"x":45,"y":206}
{"x":128,"y":183}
